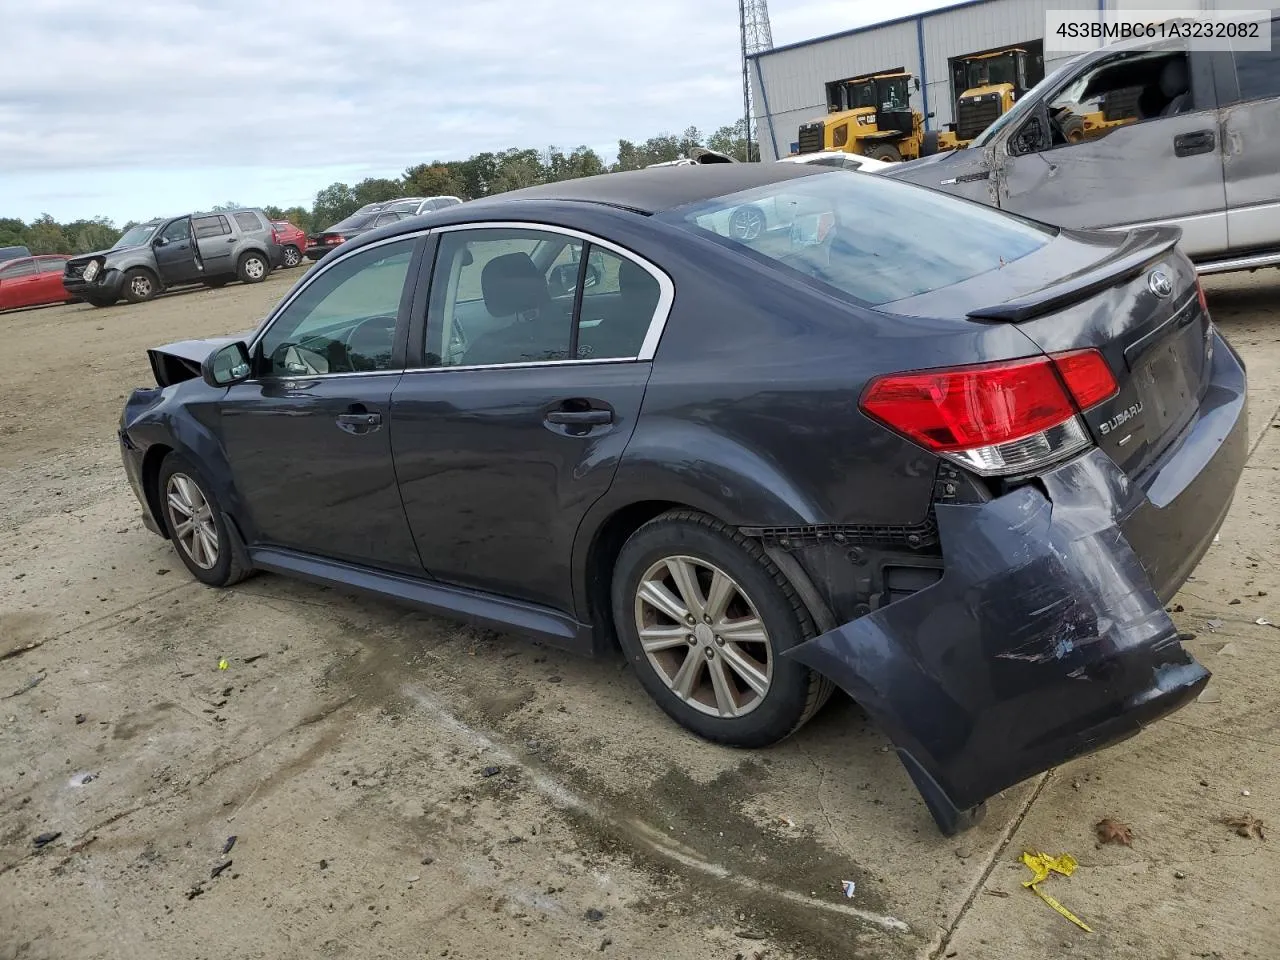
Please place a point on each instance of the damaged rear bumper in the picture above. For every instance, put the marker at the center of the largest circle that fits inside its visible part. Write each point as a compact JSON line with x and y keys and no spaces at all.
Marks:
{"x":1046,"y":637}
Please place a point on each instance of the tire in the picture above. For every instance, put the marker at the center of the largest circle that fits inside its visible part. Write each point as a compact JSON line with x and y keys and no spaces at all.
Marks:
{"x":884,"y":151}
{"x":747,"y":222}
{"x":140,"y":285}
{"x":216,"y":283}
{"x":253,"y":267}
{"x":179,"y":483}
{"x":1073,"y":129}
{"x":100,"y":301}
{"x":292,"y":256}
{"x":785,"y":694}
{"x":929,"y":145}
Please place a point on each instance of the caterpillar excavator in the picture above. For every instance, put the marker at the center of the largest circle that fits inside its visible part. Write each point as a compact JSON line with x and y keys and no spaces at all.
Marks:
{"x":872,"y":116}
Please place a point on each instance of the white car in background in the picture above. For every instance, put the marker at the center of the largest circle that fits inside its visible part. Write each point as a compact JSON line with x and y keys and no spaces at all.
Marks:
{"x":840,"y":160}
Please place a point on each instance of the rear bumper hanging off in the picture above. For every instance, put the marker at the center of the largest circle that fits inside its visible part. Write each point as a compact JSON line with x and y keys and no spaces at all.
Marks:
{"x":1045,"y":638}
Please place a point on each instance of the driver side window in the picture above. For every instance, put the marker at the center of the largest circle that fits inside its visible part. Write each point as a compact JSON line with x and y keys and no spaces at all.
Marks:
{"x":178,"y":230}
{"x":1117,"y":92}
{"x":344,"y":321}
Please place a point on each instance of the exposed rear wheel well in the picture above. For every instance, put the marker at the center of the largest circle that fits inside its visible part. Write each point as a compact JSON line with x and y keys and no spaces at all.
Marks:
{"x":602,"y":556}
{"x":151,"y":480}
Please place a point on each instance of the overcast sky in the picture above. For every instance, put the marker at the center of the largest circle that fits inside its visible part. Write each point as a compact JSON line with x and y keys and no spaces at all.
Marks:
{"x":158,"y":106}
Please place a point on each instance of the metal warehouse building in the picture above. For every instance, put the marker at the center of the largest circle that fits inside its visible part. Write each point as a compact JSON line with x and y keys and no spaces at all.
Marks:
{"x":794,"y":84}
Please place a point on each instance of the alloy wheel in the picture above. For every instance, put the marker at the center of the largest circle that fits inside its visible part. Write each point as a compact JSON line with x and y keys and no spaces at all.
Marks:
{"x":254,"y":268}
{"x":703,"y":636}
{"x":747,"y":223}
{"x":292,"y":257}
{"x":192,"y":520}
{"x":141,"y":286}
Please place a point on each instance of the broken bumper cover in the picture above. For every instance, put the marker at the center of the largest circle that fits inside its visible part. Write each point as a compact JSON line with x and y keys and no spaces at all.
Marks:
{"x":1046,"y":637}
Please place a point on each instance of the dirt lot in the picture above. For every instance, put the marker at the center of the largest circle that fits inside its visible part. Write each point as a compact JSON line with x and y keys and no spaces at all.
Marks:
{"x":351,"y":748}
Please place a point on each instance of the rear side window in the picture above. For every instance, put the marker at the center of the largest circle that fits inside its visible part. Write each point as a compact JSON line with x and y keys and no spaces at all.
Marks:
{"x":248,"y":221}
{"x":1258,"y":71}
{"x":871,"y":239}
{"x":53,"y":264}
{"x":21,"y":268}
{"x":214,"y":226}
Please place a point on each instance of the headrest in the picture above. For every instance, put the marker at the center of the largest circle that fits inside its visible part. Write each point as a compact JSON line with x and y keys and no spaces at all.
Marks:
{"x":511,"y":284}
{"x":1174,"y":79}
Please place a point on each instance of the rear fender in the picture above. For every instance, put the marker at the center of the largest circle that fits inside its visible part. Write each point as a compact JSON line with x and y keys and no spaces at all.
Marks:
{"x":1042,"y":641}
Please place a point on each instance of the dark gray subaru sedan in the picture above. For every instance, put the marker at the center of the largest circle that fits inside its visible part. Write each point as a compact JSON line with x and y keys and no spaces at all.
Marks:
{"x":949,"y":460}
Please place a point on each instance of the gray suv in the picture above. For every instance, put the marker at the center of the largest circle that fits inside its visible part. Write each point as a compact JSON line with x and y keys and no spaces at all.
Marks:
{"x":208,"y":248}
{"x":1133,"y":135}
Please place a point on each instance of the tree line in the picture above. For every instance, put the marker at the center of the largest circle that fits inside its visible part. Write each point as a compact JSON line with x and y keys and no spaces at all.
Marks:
{"x":482,"y":175}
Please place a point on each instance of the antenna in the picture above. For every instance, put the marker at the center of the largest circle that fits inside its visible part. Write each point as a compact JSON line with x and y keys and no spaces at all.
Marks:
{"x":753,"y":25}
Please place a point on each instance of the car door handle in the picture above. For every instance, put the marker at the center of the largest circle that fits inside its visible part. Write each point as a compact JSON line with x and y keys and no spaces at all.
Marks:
{"x":580,"y":418}
{"x":231,"y":239}
{"x":1190,"y":144}
{"x":359,"y":422}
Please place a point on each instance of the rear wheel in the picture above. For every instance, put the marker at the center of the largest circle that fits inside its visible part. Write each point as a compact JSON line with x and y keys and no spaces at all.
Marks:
{"x":140,"y":285}
{"x":253,"y":267}
{"x":196,"y":525}
{"x":884,"y":151}
{"x":704,"y":616}
{"x":292,"y":256}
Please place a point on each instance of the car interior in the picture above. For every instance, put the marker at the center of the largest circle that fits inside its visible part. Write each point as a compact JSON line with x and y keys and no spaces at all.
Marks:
{"x":1125,"y":90}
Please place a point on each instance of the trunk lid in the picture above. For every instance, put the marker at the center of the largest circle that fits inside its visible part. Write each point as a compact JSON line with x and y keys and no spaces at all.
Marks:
{"x":1135,"y":298}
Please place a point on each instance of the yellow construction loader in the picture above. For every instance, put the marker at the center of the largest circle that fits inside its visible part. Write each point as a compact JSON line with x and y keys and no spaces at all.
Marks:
{"x":872,"y":116}
{"x":993,"y":82}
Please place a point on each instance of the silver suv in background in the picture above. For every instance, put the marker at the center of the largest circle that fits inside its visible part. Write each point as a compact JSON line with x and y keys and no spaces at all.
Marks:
{"x":1135,"y":135}
{"x":209,"y":248}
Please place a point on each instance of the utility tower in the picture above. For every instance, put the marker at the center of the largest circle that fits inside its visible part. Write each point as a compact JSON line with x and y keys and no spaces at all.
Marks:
{"x":753,"y":24}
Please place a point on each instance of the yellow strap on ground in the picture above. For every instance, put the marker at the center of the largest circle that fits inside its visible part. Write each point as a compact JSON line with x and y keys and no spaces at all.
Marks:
{"x":1041,"y":865}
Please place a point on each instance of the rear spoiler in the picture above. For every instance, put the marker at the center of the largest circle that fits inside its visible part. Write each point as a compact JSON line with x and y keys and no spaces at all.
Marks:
{"x":1138,"y":250}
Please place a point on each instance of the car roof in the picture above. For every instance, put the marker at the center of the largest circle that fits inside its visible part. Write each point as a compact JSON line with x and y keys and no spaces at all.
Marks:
{"x":653,"y":190}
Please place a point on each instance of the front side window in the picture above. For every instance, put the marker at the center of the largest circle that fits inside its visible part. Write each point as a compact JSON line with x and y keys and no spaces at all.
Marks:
{"x":1117,"y":92}
{"x":248,"y":221}
{"x":342,"y":322}
{"x":214,"y":226}
{"x":176,"y":231}
{"x":1258,"y":71}
{"x":867,"y":238}
{"x":521,"y":296}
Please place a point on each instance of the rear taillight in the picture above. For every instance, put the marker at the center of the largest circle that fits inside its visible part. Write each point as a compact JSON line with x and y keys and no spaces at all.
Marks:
{"x":275,"y":235}
{"x":996,"y":418}
{"x":1204,"y":301}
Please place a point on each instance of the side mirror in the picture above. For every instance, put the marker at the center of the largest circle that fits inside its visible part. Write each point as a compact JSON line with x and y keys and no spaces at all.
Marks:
{"x":160,"y":242}
{"x":917,"y":80}
{"x":227,"y":365}
{"x":931,"y":114}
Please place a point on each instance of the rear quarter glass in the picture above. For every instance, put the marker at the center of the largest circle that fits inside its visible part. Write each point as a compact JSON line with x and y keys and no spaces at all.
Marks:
{"x":868,"y":239}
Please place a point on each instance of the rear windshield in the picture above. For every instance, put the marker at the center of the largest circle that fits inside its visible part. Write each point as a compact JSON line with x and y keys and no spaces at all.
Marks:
{"x":357,"y":221}
{"x":869,"y":237}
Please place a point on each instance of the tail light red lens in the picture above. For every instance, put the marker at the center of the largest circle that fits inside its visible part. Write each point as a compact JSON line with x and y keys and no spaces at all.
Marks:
{"x":995,"y":418}
{"x":1204,"y":301}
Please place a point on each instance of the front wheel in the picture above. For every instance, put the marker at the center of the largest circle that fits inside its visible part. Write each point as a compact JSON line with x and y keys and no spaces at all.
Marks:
{"x":195,"y":524}
{"x":704,"y":616}
{"x":253,"y":267}
{"x":884,"y":151}
{"x":292,"y":256}
{"x":140,"y":285}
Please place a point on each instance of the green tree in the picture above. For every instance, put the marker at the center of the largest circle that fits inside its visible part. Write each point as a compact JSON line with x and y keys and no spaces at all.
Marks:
{"x":301,"y":218}
{"x":377,"y":190}
{"x":13,"y":232}
{"x":517,"y":169}
{"x":229,"y":205}
{"x":732,"y":140}
{"x":46,"y":236}
{"x":434,"y":180}
{"x":91,"y":235}
{"x":335,"y":202}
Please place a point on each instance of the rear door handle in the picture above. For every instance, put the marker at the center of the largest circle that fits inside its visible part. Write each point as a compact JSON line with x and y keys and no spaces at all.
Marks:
{"x":580,"y":417}
{"x":1190,"y":144}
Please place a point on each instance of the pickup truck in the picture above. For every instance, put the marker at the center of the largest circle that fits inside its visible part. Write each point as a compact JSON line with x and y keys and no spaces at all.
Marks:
{"x":1137,"y":134}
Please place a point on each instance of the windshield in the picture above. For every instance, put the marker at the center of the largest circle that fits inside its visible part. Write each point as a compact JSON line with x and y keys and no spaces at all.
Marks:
{"x":982,"y":73}
{"x":1025,"y":104}
{"x":868,"y":238}
{"x":135,"y":236}
{"x":862,"y":95}
{"x":894,"y":97}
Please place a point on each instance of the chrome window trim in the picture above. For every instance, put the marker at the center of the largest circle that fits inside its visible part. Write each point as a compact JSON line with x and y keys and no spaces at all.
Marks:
{"x":657,"y":324}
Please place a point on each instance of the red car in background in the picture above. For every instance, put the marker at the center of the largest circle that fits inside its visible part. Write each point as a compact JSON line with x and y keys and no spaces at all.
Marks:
{"x":32,"y":282}
{"x":292,"y":242}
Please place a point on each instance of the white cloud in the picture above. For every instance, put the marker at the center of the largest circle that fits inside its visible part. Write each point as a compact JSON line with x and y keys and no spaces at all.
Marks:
{"x":193,"y":98}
